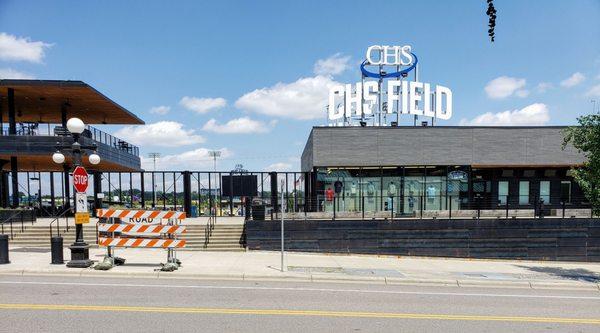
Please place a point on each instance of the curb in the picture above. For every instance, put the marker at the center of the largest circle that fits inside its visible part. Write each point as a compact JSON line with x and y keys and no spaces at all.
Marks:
{"x":314,"y":278}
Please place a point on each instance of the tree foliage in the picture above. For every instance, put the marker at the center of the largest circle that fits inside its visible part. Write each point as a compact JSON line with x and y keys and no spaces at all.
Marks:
{"x":491,"y":13}
{"x":586,"y":139}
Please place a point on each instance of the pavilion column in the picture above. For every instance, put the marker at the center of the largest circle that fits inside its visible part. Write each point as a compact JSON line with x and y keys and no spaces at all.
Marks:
{"x":12,"y":130}
{"x":97,"y":189}
{"x":67,"y":203}
{"x":4,"y":193}
{"x":63,"y":115}
{"x":14,"y":173}
{"x":12,"y":122}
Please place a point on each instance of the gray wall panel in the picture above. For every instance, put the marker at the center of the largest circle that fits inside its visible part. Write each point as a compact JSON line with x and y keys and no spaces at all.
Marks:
{"x":391,"y":146}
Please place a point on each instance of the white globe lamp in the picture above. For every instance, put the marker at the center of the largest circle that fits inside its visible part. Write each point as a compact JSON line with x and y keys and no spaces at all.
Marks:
{"x":75,"y":125}
{"x":58,"y":157}
{"x":94,"y":158}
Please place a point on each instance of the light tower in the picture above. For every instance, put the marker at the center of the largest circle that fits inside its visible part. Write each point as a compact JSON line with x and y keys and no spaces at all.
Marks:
{"x":154,"y":157}
{"x":214,"y":154}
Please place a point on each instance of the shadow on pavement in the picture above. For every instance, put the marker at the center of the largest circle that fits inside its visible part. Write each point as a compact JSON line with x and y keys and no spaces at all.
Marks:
{"x":574,"y":274}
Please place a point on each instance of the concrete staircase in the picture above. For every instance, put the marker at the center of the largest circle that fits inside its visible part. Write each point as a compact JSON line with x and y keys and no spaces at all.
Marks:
{"x":225,"y":237}
{"x":37,"y":236}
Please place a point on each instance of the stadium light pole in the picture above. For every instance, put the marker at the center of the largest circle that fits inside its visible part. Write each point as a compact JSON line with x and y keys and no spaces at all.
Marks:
{"x":214,"y":154}
{"x":154,"y":157}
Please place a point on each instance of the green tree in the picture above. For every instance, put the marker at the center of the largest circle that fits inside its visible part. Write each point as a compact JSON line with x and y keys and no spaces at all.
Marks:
{"x":586,"y":139}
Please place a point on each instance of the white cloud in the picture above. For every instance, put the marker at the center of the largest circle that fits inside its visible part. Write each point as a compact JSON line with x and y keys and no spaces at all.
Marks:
{"x":202,"y":105}
{"x":303,"y":99}
{"x":161,"y":110}
{"x":188,"y":160}
{"x":594,"y":91}
{"x":573,"y":80}
{"x":522,"y":93}
{"x":334,"y":65}
{"x":281,"y":166}
{"x":534,"y":114}
{"x":544,"y":86}
{"x":243,"y":125}
{"x":13,"y":48}
{"x":504,"y":86}
{"x":159,"y":134}
{"x":9,"y":73}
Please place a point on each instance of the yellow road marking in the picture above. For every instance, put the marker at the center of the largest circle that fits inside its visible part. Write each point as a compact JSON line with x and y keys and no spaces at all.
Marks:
{"x":316,"y":313}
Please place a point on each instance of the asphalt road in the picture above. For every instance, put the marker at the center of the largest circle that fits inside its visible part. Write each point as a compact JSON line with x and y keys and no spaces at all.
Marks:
{"x":76,"y":304}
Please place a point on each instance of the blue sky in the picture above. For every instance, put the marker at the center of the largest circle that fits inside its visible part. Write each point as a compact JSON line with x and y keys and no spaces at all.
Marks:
{"x":251,"y":65}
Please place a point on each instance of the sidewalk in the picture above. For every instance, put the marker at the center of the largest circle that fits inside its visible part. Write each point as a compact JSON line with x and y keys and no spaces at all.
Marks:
{"x":262,"y":265}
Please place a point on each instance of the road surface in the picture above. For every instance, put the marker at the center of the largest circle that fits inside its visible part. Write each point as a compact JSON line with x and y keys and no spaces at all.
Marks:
{"x":77,"y":304}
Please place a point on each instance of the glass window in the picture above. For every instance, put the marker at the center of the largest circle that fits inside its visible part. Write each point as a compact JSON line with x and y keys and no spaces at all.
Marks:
{"x":507,"y":173}
{"x":545,"y":191}
{"x":435,"y":189}
{"x":413,"y":189}
{"x":502,"y":192}
{"x":371,"y":189}
{"x":457,"y":186}
{"x":565,"y":191}
{"x":550,"y":173}
{"x":529,"y":173}
{"x":523,"y":192}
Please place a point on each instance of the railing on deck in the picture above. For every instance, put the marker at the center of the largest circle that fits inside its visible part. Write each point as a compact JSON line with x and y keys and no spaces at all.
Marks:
{"x":36,"y":129}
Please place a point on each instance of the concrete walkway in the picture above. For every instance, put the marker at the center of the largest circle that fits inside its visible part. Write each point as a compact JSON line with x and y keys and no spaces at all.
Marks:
{"x":228,"y":220}
{"x":262,"y":265}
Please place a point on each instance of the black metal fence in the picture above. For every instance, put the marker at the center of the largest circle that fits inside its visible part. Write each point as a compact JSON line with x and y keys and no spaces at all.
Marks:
{"x":197,"y":192}
{"x":215,"y":193}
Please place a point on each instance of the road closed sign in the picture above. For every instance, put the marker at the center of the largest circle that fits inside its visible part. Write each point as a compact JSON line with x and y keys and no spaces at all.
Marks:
{"x":80,"y":179}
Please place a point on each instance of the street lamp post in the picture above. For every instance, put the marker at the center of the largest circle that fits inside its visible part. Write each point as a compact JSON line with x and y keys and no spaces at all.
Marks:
{"x":80,"y":256}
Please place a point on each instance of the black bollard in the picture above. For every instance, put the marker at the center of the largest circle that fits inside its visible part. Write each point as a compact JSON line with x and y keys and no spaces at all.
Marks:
{"x":56,"y":248}
{"x":4,"y":249}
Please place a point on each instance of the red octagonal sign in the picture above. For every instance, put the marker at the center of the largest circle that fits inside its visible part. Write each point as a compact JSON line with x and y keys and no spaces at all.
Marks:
{"x":80,"y":179}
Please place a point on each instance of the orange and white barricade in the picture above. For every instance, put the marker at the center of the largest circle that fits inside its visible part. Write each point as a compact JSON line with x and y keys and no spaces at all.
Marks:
{"x":140,"y":235}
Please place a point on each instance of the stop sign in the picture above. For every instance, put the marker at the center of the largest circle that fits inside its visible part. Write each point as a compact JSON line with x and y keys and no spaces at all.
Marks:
{"x":80,"y":179}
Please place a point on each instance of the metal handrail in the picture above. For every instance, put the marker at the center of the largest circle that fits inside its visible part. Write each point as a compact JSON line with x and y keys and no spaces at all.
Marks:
{"x":210,"y":225}
{"x":10,"y":218}
{"x":57,"y":220}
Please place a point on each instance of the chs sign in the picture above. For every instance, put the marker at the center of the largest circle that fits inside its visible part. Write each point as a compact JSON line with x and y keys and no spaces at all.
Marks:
{"x":394,"y":96}
{"x":389,"y":55}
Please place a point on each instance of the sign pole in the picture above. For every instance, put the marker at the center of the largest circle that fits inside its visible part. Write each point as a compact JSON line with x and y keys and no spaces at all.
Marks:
{"x":282,"y":225}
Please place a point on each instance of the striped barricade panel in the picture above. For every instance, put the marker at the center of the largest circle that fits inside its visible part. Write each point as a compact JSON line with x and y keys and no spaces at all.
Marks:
{"x":142,"y":242}
{"x":141,"y":228}
{"x":141,"y":214}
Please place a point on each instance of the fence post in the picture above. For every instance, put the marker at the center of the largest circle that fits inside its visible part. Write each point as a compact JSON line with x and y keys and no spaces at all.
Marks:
{"x":421,"y":206}
{"x":392,"y":218}
{"x":187,"y":193}
{"x":506,"y":207}
{"x":563,"y":203}
{"x":334,"y":206}
{"x":363,"y":207}
{"x":450,"y":209}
